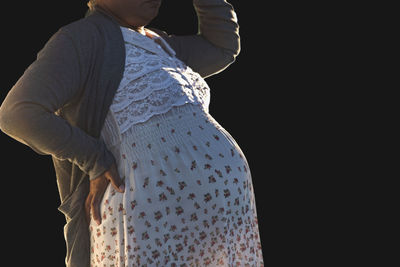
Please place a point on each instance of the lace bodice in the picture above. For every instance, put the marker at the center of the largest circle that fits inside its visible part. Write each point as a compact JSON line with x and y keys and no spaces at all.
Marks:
{"x":153,"y":82}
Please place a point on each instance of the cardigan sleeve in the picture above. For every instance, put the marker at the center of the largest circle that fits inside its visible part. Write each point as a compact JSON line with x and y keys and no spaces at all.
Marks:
{"x":29,"y":111}
{"x":217,"y":42}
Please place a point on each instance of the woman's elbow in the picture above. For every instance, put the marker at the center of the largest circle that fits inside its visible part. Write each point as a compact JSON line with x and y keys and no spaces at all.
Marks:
{"x":14,"y":122}
{"x":8,"y":122}
{"x":235,"y":51}
{"x":5,"y":120}
{"x":219,"y":62}
{"x":230,"y":55}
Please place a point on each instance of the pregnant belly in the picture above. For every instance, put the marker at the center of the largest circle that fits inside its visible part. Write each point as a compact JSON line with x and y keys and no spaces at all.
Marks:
{"x":183,"y":171}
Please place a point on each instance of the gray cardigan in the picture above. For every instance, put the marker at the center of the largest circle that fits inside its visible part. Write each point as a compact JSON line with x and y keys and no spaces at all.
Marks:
{"x":59,"y":104}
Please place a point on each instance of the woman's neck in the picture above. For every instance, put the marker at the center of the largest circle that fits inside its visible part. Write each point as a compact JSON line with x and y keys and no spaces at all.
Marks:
{"x":121,"y":22}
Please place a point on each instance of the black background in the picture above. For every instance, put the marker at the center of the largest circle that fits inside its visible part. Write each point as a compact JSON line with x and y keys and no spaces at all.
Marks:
{"x":264,"y":99}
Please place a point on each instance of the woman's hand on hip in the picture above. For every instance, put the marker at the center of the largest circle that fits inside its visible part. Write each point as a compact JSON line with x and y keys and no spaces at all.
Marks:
{"x":97,"y":188}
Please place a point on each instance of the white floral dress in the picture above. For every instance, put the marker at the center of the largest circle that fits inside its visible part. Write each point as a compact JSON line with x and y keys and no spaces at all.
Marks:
{"x":189,"y":198}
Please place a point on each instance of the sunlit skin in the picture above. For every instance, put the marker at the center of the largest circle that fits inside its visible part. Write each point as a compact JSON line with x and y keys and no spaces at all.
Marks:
{"x":134,"y":14}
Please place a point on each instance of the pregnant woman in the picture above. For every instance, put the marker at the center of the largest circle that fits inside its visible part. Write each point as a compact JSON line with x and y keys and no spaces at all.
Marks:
{"x":146,"y":176}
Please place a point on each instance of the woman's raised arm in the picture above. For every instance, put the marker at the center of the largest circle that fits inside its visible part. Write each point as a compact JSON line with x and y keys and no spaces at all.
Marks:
{"x":217,"y":42}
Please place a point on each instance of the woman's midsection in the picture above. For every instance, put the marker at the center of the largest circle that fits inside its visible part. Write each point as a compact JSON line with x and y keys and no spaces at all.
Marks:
{"x":183,"y":127}
{"x":175,"y":163}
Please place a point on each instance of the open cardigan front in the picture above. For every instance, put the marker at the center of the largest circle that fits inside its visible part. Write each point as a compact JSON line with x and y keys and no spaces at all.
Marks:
{"x":60,"y":103}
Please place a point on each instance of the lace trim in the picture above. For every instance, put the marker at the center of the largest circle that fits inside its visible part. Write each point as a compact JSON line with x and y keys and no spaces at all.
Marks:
{"x":163,"y":79}
{"x":154,"y":83}
{"x":158,"y":102}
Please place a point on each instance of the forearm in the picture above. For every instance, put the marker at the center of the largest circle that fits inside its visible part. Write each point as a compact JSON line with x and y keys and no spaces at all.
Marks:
{"x":49,"y":134}
{"x":218,"y":24}
{"x":28,"y":112}
{"x":217,"y":42}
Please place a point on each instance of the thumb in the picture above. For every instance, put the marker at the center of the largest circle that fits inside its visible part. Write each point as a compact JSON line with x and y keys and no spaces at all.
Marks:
{"x":115,"y":180}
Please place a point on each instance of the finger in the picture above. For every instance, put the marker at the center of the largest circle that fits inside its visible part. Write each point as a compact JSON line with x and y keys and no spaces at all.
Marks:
{"x":87,"y":207}
{"x":115,"y":179}
{"x":95,"y":208}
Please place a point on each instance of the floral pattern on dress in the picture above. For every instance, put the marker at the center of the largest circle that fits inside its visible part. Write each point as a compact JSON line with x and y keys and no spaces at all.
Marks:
{"x":190,"y":199}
